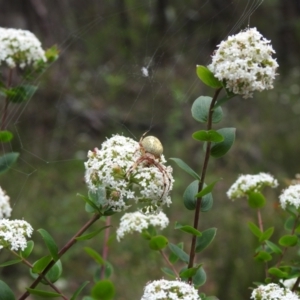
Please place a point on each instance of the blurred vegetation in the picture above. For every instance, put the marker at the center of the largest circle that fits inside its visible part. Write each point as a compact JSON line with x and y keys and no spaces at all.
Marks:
{"x":97,"y":88}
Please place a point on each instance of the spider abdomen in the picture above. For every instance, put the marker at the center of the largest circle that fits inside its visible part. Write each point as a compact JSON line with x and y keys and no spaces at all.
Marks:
{"x":152,"y":145}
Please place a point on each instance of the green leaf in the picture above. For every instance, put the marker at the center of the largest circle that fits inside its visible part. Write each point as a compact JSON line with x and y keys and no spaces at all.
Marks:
{"x":103,"y":290}
{"x":5,"y":136}
{"x":43,"y":293}
{"x":205,"y":240}
{"x":174,"y":258}
{"x":263,"y":256}
{"x":208,"y":136}
{"x":288,"y":240}
{"x":5,"y":292}
{"x":207,"y":202}
{"x":98,"y":197}
{"x":50,"y":243}
{"x":254,"y":229}
{"x":291,"y":209}
{"x":200,"y":110}
{"x":95,"y":255}
{"x":207,"y":77}
{"x":256,"y":200}
{"x":179,"y":252}
{"x":189,"y":199}
{"x":273,"y":247}
{"x":7,"y":160}
{"x":220,"y":149}
{"x":266,"y":234}
{"x":188,"y":229}
{"x":199,"y":278}
{"x":278,"y":273}
{"x":290,"y":223}
{"x":181,"y":164}
{"x":169,"y":272}
{"x":90,"y":235}
{"x":224,"y":99}
{"x":79,"y":290}
{"x":10,"y":262}
{"x":26,"y":252}
{"x":52,"y":275}
{"x":207,"y":189}
{"x":20,"y":93}
{"x":158,"y":242}
{"x":41,"y":264}
{"x":188,"y":273}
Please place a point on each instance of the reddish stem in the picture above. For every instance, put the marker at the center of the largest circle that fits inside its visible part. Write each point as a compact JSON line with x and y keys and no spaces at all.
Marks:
{"x":4,"y":116}
{"x":105,"y":246}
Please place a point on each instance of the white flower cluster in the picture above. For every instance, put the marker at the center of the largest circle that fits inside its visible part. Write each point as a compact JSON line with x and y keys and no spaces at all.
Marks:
{"x":244,"y":61}
{"x":13,"y":234}
{"x":165,"y":289}
{"x":108,"y":167}
{"x":290,"y":196}
{"x":20,"y":48}
{"x":272,"y":291}
{"x":5,"y":209}
{"x":138,"y":221}
{"x":250,"y":183}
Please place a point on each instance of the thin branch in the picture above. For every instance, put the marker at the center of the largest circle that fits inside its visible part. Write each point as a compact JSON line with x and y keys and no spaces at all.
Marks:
{"x":64,"y":249}
{"x":169,"y":263}
{"x":202,"y":179}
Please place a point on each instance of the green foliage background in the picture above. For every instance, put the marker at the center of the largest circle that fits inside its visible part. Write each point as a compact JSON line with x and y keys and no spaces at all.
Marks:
{"x":96,"y":89}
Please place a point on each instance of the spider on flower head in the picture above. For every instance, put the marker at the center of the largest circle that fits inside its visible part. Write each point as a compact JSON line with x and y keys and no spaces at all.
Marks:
{"x":151,"y":150}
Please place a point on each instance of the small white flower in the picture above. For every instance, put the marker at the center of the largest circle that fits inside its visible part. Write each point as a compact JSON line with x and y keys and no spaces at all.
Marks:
{"x":20,"y":48}
{"x":250,"y":183}
{"x":244,"y":62}
{"x":13,"y":234}
{"x":290,"y":196}
{"x":169,"y":290}
{"x":5,"y":209}
{"x":273,"y":291}
{"x":107,"y":167}
{"x":138,"y":221}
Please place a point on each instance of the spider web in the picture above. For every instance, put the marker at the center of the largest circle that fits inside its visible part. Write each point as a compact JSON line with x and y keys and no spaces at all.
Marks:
{"x":47,"y":152}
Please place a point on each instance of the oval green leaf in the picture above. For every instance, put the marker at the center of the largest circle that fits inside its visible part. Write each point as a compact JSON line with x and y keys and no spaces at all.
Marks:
{"x":179,"y":253}
{"x":220,"y":149}
{"x":174,"y":258}
{"x":181,"y":164}
{"x":200,"y":110}
{"x":188,"y":273}
{"x":207,"y":202}
{"x":103,"y":290}
{"x":199,"y":278}
{"x":5,"y":292}
{"x":41,"y":264}
{"x":208,"y":136}
{"x":158,"y":242}
{"x":256,"y":200}
{"x":50,"y":243}
{"x":43,"y":293}
{"x":7,"y":160}
{"x":288,"y":240}
{"x":5,"y":136}
{"x":26,"y":252}
{"x":266,"y":234}
{"x":169,"y":272}
{"x":79,"y":290}
{"x":205,"y":240}
{"x":207,"y":189}
{"x":90,"y":235}
{"x":254,"y":229}
{"x":278,"y":273}
{"x":10,"y":262}
{"x":207,"y":77}
{"x":95,"y":255}
{"x":188,"y":229}
{"x":263,"y":256}
{"x":275,"y":249}
{"x":189,"y":199}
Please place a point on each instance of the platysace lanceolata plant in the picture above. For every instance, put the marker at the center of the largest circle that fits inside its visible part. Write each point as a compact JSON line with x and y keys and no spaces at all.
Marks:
{"x":126,"y":174}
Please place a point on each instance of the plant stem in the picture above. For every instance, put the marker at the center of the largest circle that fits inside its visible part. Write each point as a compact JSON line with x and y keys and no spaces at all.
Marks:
{"x":4,"y":116}
{"x":169,"y":263}
{"x":63,"y":250}
{"x":202,"y":179}
{"x":261,"y":227}
{"x":105,"y":246}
